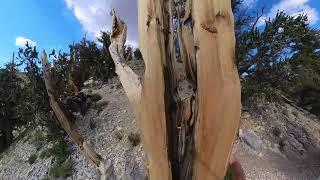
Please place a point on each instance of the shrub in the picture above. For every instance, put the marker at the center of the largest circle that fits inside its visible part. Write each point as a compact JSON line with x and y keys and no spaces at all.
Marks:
{"x":295,"y":113}
{"x":38,"y":136}
{"x":59,"y":150}
{"x":92,"y":124}
{"x":254,"y":92}
{"x":228,"y":174}
{"x":119,"y":135}
{"x":61,"y":170}
{"x":250,"y":92}
{"x":282,"y":145}
{"x":134,"y":139}
{"x":276,"y":131}
{"x":99,"y":106}
{"x":46,"y":153}
{"x":32,"y":158}
{"x":62,"y":164}
{"x":137,"y":54}
{"x":96,"y":97}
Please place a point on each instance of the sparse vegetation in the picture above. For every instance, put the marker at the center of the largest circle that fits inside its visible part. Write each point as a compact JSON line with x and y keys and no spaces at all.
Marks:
{"x":228,"y":174}
{"x":62,"y":164}
{"x":99,"y":106}
{"x":45,"y":178}
{"x":32,"y":158}
{"x":61,"y":170}
{"x":119,"y":134}
{"x":282,"y":144}
{"x":137,"y":54}
{"x":134,"y":139}
{"x":38,"y":136}
{"x":23,"y":97}
{"x":96,"y":97}
{"x":59,"y":150}
{"x":92,"y":124}
{"x":276,"y":131}
{"x":295,"y":113}
{"x":277,"y":60}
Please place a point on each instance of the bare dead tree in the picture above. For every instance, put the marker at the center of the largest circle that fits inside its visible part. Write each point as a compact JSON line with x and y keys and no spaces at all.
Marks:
{"x":103,"y":165}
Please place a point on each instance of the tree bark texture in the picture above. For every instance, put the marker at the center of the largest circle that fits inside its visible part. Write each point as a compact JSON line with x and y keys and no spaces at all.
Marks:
{"x":184,"y":138}
{"x":218,"y":86}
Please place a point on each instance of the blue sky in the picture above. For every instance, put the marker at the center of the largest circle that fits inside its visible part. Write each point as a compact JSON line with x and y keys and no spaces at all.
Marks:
{"x":48,"y":23}
{"x":57,"y":23}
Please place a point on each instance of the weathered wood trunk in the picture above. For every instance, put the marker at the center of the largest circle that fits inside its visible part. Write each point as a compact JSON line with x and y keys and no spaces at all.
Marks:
{"x":190,"y":138}
{"x":218,"y":87}
{"x":63,"y":117}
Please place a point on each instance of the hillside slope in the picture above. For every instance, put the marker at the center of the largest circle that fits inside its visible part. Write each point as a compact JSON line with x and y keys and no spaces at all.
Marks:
{"x":275,"y":142}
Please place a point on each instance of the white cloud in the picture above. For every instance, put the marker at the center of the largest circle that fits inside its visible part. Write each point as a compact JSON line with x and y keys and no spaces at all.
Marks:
{"x":262,"y":21}
{"x":293,"y":8}
{"x":94,"y":15}
{"x":22,"y":41}
{"x":249,"y":3}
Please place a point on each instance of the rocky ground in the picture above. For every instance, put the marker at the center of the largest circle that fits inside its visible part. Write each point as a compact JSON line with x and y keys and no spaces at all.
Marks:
{"x":14,"y":162}
{"x":107,"y":128}
{"x":114,"y":124}
{"x":275,"y":142}
{"x":279,"y":142}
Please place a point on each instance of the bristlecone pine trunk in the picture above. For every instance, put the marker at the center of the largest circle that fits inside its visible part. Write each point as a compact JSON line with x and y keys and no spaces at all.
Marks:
{"x":104,"y":166}
{"x":190,"y":138}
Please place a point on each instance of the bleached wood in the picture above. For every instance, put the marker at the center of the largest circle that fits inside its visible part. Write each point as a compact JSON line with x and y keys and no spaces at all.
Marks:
{"x":218,"y":87}
{"x":190,"y":139}
{"x":129,"y":80}
{"x":152,"y":115}
{"x":58,"y":108}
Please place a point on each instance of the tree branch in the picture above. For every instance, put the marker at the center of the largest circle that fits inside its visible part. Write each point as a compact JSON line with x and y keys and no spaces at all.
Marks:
{"x":86,"y":148}
{"x":129,"y":80}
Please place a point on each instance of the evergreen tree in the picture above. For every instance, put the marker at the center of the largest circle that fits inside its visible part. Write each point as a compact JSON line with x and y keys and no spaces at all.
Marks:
{"x":283,"y":54}
{"x":137,"y":54}
{"x":14,"y":110}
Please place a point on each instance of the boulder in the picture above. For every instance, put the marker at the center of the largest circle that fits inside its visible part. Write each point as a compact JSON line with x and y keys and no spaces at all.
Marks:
{"x":250,"y":138}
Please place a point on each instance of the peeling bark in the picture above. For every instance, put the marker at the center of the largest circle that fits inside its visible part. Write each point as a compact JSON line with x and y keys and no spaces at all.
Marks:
{"x":64,"y":119}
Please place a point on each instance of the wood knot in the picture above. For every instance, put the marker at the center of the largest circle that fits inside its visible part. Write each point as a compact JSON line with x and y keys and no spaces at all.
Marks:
{"x":209,"y":27}
{"x":148,"y":20}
